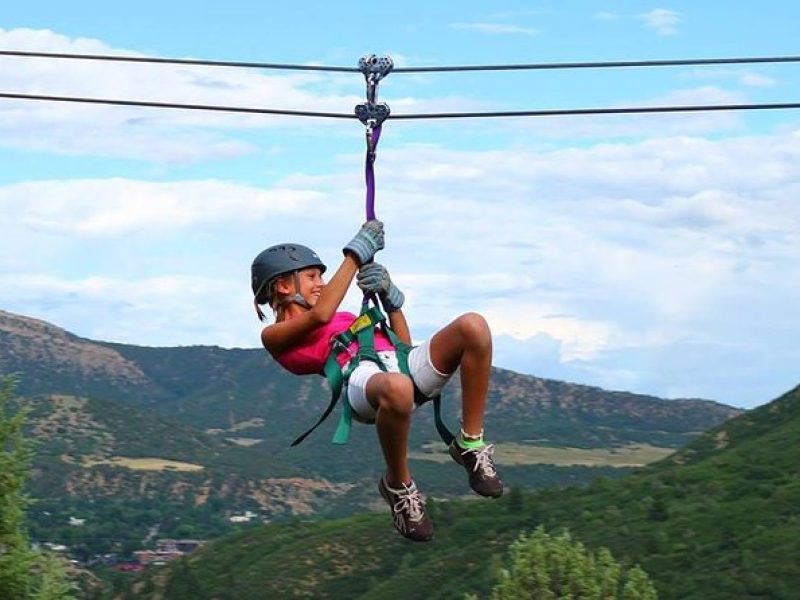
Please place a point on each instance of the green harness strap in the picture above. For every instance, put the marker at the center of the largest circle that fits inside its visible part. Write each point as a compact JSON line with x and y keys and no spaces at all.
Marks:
{"x":363,"y":330}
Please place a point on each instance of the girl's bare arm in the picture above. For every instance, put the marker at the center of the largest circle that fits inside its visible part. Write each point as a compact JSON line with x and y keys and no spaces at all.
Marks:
{"x":280,"y":336}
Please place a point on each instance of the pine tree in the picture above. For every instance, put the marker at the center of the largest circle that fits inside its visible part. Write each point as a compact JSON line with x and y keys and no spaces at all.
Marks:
{"x":183,"y":583}
{"x":16,"y":557}
{"x":545,"y":567}
{"x":24,"y":574}
{"x":52,"y":582}
{"x":638,"y":586}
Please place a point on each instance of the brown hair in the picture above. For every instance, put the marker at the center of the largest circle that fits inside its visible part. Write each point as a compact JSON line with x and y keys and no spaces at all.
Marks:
{"x":273,"y":296}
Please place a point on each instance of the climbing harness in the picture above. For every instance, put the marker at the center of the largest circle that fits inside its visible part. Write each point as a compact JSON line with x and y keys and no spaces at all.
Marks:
{"x":362,"y":330}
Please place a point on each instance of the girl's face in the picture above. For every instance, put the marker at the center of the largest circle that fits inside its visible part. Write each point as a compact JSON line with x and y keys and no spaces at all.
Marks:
{"x":311,"y":284}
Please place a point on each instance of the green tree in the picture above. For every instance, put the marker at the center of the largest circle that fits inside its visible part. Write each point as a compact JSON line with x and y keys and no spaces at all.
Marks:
{"x":16,"y":558}
{"x":546,"y":567}
{"x":24,"y":574}
{"x":52,"y":582}
{"x":183,"y":583}
{"x":638,"y":586}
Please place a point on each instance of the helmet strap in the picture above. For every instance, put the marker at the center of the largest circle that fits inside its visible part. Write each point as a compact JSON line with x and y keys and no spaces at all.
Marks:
{"x":297,"y":298}
{"x":259,"y":312}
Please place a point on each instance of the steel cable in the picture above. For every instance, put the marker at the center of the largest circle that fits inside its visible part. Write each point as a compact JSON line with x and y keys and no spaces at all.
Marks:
{"x":441,"y":69}
{"x":453,"y":115}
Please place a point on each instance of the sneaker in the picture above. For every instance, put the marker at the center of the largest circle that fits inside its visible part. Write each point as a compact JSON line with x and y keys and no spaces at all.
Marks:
{"x":408,"y":511}
{"x":483,"y":477}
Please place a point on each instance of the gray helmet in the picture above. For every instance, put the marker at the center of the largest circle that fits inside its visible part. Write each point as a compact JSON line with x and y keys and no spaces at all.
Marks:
{"x":279,"y":260}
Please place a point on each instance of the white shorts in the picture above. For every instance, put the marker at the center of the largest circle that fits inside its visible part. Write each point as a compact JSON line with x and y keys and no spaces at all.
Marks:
{"x":428,"y":382}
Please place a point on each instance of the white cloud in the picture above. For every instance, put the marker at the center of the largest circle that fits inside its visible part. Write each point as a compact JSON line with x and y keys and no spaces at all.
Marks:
{"x":578,"y":338}
{"x":741,"y":76}
{"x":756,"y":80}
{"x":113,"y":207}
{"x":162,"y":309}
{"x":155,"y":134}
{"x":664,"y":21}
{"x":496,"y":28}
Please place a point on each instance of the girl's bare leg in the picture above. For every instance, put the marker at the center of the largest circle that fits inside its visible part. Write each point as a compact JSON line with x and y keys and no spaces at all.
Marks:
{"x":393,"y":396}
{"x":466,"y":343}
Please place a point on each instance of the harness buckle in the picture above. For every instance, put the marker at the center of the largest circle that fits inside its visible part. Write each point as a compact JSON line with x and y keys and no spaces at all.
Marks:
{"x":341,"y":346}
{"x":362,"y":322}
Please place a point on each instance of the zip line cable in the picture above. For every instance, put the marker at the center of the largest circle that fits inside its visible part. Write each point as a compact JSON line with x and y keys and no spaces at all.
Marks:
{"x":600,"y":111}
{"x":501,"y":67}
{"x":334,"y":115}
{"x":178,"y":61}
{"x":209,"y":107}
{"x":603,"y":65}
{"x":453,"y":115}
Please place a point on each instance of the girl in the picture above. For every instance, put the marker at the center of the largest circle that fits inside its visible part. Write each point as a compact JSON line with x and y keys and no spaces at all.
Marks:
{"x":288,"y":277}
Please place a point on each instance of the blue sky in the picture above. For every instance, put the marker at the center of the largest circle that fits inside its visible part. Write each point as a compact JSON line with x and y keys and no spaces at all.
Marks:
{"x":654,"y":254}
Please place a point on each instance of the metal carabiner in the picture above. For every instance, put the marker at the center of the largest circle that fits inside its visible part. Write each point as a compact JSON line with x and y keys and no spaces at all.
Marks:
{"x":372,"y":88}
{"x":372,"y":116}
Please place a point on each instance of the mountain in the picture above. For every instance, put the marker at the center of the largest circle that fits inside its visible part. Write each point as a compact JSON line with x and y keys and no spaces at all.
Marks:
{"x":718,"y":520}
{"x":137,"y":432}
{"x":209,"y":387}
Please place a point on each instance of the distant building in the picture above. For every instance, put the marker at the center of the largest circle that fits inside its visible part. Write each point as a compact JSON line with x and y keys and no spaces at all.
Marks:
{"x":55,"y":547}
{"x":110,"y":559}
{"x":155,"y":557}
{"x":129,"y":567}
{"x":245,"y":518}
{"x":75,"y":522}
{"x":167,"y":550}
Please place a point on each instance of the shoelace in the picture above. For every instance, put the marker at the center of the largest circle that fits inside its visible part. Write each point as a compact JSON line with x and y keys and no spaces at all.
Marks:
{"x":409,"y":501}
{"x":483,"y":460}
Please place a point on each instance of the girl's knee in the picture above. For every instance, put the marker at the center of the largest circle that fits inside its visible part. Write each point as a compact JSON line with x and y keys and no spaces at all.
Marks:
{"x":396,"y":393}
{"x":475,"y":328}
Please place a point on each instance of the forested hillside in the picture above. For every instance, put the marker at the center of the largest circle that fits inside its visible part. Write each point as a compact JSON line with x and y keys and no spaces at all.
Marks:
{"x":718,"y":520}
{"x":138,"y":440}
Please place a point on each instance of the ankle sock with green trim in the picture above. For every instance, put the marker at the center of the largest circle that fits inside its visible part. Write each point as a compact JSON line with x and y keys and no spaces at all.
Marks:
{"x":469,"y":442}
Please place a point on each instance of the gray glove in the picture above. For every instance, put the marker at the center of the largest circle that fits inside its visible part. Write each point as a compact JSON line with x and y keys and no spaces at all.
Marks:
{"x":366,"y":242}
{"x":374,"y":278}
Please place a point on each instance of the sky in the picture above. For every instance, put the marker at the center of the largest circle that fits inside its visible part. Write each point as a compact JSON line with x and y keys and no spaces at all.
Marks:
{"x":655,"y":254}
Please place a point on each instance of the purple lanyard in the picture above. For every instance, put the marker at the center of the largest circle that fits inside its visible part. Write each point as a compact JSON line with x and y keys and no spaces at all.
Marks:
{"x":369,"y":177}
{"x":369,"y":171}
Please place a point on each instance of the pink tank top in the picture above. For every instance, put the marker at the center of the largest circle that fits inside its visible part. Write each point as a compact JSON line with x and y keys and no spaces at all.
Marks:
{"x":309,"y":356}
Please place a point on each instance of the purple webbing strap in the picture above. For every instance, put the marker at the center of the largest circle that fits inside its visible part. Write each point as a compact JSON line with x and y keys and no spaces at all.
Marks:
{"x":369,"y":173}
{"x":369,"y":176}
